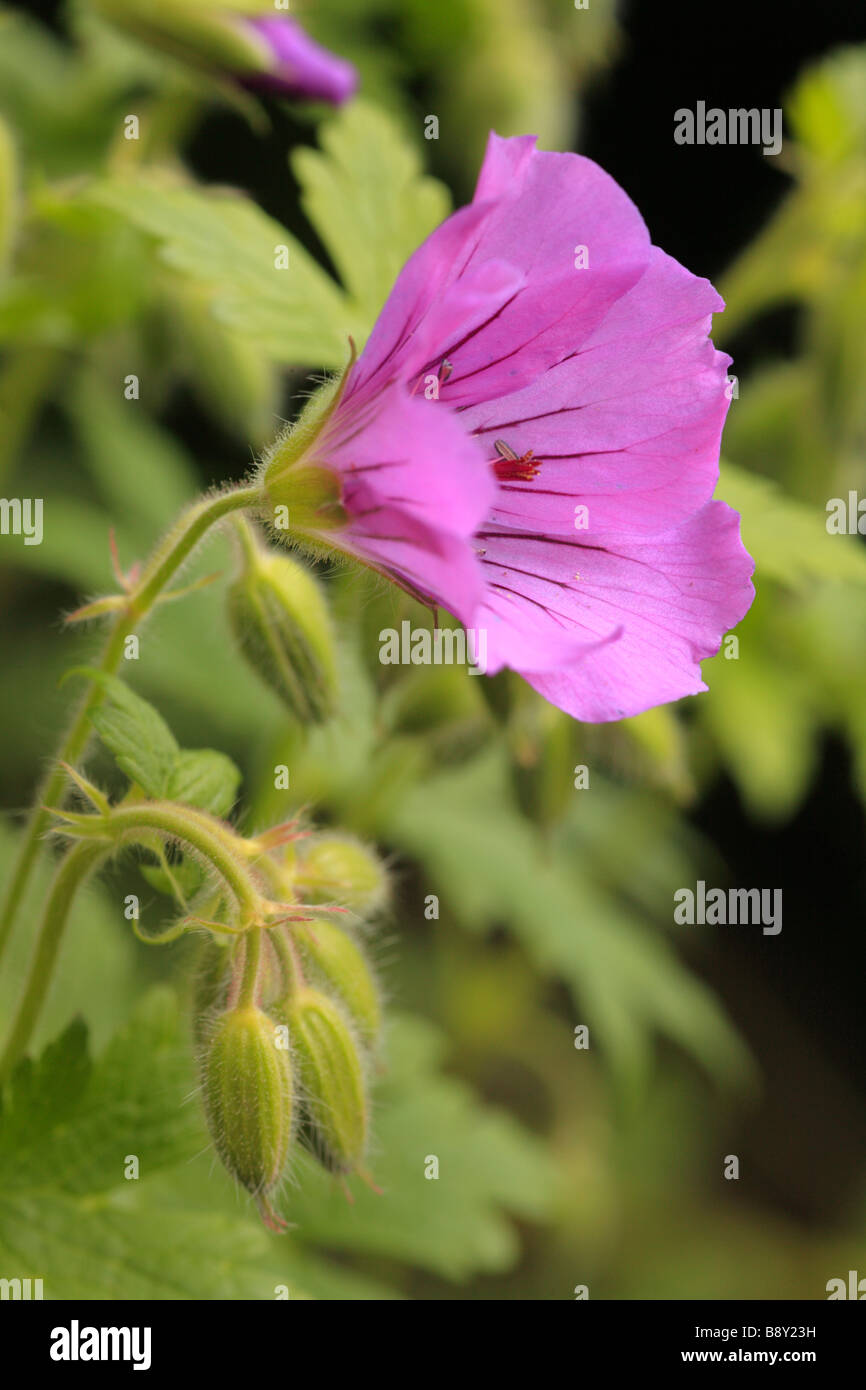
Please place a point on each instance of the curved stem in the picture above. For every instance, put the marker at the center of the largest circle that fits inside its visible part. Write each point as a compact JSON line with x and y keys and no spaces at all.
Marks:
{"x":191,"y":828}
{"x":73,"y":870}
{"x":170,"y":554}
{"x":197,"y":832}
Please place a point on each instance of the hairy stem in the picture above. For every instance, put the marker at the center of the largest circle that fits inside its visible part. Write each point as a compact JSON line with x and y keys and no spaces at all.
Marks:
{"x":182,"y":823}
{"x":198,"y":832}
{"x":169,"y":555}
{"x":253,"y":954}
{"x":72,"y":872}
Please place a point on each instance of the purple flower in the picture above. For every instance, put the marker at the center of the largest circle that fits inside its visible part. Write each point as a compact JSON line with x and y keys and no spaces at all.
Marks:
{"x":299,"y":67}
{"x":531,"y":438}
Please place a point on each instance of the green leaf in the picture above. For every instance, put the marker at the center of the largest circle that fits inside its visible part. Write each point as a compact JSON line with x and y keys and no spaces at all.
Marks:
{"x":491,"y":869}
{"x":454,"y":1225}
{"x":38,"y":1100}
{"x":126,"y":1246}
{"x":142,"y":743}
{"x":204,"y":778}
{"x":369,"y":201}
{"x":371,"y":205}
{"x":186,"y":877}
{"x":70,"y":1124}
{"x":298,"y":315}
{"x":68,"y":1210}
{"x":789,"y":540}
{"x":147,"y":751}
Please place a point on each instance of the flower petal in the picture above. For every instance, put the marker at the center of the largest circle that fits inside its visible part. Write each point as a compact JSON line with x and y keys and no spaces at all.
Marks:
{"x":416,"y":487}
{"x":658,"y":607}
{"x":302,"y":68}
{"x":630,"y":426}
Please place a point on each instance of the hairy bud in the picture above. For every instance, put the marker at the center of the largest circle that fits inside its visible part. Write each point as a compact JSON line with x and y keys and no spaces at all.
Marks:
{"x":283,"y":627}
{"x":335,"y":960}
{"x":331,"y":1076}
{"x":247,"y":1088}
{"x":334,"y":868}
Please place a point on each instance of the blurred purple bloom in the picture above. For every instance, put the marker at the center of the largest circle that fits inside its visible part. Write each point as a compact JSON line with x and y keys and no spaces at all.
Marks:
{"x":301,"y":68}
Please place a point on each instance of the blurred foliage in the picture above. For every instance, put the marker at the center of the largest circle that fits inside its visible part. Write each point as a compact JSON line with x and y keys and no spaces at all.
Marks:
{"x":553,"y":906}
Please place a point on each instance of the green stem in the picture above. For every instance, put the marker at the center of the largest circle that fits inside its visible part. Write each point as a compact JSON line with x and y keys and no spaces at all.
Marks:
{"x":198,"y":833}
{"x":170,"y":554}
{"x":181,"y":823}
{"x":290,"y":965}
{"x":246,"y":538}
{"x":71,"y":874}
{"x":252,"y":956}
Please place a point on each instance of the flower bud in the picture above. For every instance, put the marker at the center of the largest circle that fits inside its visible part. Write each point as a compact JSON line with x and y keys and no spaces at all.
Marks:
{"x":283,"y":627}
{"x":335,"y":960}
{"x":335,"y":868}
{"x":241,"y":39}
{"x":331,"y":1076}
{"x":247,"y":1088}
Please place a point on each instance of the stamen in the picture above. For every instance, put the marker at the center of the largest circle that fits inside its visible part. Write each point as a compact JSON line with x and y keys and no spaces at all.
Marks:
{"x":511,"y":467}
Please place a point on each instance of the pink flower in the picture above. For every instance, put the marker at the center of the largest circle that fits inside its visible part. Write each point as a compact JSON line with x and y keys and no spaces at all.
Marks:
{"x":531,"y":438}
{"x":299,"y":67}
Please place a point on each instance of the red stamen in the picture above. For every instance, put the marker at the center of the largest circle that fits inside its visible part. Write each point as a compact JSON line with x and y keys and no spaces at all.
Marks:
{"x":511,"y":467}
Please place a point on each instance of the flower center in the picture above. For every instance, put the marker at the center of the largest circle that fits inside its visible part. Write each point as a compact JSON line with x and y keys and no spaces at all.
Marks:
{"x":510,"y":467}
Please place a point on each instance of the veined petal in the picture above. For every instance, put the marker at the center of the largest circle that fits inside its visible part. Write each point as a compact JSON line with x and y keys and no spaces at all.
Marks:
{"x":656,"y":608}
{"x":416,"y":488}
{"x":629,"y":427}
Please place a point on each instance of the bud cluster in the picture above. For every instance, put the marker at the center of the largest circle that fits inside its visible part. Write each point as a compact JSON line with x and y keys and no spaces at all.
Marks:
{"x":286,"y":1022}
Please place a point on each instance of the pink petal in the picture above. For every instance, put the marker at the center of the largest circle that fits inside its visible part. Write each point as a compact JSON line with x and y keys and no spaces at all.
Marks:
{"x":416,"y":487}
{"x":628,"y":427}
{"x":658,"y":606}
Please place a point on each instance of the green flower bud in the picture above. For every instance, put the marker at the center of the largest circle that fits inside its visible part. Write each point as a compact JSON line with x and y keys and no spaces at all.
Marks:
{"x":339,"y":869}
{"x":283,"y":627}
{"x":335,"y":960}
{"x":331,"y":1076}
{"x":247,"y":1088}
{"x":302,"y":494}
{"x":195,"y":31}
